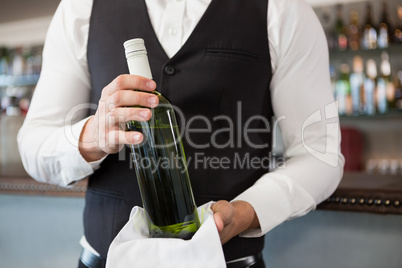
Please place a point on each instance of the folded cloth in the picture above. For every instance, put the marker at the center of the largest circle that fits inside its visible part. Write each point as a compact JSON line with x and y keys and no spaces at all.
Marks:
{"x":132,"y":246}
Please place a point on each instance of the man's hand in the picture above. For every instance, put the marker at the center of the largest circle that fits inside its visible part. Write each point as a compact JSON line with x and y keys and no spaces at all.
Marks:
{"x":233,"y":218}
{"x":102,"y":134}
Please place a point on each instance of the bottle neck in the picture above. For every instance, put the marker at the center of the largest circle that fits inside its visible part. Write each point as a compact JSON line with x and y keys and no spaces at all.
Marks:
{"x":354,"y":19}
{"x":369,"y":16}
{"x":384,"y":18}
{"x":139,"y":65}
{"x":137,"y":59}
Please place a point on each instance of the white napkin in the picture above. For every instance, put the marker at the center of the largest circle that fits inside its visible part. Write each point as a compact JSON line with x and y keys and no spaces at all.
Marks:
{"x":132,"y":246}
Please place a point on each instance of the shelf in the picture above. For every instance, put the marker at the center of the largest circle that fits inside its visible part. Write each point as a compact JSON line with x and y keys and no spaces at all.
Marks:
{"x":392,"y":49}
{"x":360,"y":192}
{"x":392,"y":115}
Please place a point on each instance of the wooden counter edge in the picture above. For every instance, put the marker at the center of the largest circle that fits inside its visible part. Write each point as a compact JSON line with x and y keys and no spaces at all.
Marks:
{"x":371,"y":193}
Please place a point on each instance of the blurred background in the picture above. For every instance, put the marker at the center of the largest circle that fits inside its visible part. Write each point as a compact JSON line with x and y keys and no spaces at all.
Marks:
{"x":359,"y":226}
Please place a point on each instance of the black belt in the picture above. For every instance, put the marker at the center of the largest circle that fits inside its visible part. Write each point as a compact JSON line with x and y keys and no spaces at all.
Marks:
{"x":249,"y":261}
{"x":90,"y":260}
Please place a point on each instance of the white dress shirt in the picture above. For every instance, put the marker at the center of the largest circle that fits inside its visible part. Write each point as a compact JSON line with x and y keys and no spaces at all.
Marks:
{"x":300,"y":90}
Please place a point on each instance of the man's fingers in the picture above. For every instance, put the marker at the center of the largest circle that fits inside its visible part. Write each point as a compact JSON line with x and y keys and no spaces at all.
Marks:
{"x":122,"y":115}
{"x":113,"y":141}
{"x":124,"y":98}
{"x":133,"y":137}
{"x":127,"y":81}
{"x":129,"y":137}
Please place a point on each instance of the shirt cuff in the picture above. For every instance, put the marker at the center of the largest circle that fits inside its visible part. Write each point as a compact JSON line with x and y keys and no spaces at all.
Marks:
{"x":96,"y":164}
{"x":272,"y":198}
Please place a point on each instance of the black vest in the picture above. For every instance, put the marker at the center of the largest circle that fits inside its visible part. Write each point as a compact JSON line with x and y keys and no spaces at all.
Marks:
{"x":223,"y":71}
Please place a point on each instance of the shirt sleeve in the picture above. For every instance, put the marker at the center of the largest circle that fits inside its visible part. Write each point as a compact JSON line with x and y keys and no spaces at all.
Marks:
{"x":307,"y":117}
{"x":48,"y":139}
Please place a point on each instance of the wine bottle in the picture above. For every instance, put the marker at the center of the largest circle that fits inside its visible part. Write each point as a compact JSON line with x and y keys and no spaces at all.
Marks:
{"x":354,"y":31}
{"x":384,"y":28}
{"x":340,"y":29}
{"x":385,"y":86}
{"x":381,"y":93}
{"x":357,"y":86}
{"x":397,"y":33}
{"x":3,"y":63}
{"x":342,"y":91}
{"x":370,"y":87}
{"x":369,"y":40}
{"x":160,"y":162}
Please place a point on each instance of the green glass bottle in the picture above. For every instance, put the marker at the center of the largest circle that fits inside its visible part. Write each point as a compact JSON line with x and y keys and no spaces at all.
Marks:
{"x":340,"y":29}
{"x":160,"y":163}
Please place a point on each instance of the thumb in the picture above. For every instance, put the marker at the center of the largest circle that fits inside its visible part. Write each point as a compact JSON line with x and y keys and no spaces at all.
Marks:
{"x":222,"y":212}
{"x":218,"y":221}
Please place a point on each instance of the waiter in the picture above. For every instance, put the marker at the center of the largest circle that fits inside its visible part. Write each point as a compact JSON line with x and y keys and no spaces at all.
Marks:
{"x":230,"y":66}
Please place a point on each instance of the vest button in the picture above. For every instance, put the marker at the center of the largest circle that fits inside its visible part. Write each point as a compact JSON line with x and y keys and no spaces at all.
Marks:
{"x":169,"y":70}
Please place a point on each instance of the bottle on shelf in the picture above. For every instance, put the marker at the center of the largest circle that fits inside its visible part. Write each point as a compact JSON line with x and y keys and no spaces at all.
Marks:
{"x":381,"y":92}
{"x":29,"y":62}
{"x":37,"y":60}
{"x":370,"y":87}
{"x":4,"y":60}
{"x":385,"y":86}
{"x":340,"y":29}
{"x":357,"y":78}
{"x":384,"y":28}
{"x":354,"y":34}
{"x":165,"y":189}
{"x":369,"y":38}
{"x":342,"y":91}
{"x":4,"y":66}
{"x":397,"y":33}
{"x":18,"y":63}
